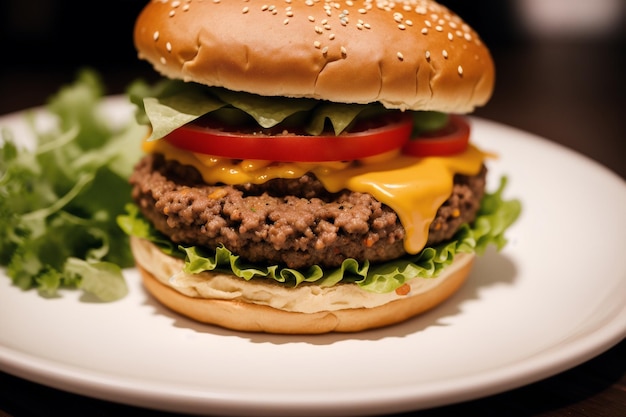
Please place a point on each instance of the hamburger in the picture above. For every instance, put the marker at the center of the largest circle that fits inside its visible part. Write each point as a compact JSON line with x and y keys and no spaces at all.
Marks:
{"x":308,"y":167}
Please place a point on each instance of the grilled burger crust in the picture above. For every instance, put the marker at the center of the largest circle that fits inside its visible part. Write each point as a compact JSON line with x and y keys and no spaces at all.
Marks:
{"x":291,"y":222}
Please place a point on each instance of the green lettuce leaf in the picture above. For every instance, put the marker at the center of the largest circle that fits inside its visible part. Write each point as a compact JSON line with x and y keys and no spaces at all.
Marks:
{"x":171,"y":104}
{"x":339,"y":115}
{"x":495,"y":216}
{"x":267,"y":111}
{"x":59,"y":199}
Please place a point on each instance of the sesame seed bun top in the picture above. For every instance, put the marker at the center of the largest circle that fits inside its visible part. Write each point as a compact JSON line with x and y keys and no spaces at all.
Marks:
{"x":413,"y":54}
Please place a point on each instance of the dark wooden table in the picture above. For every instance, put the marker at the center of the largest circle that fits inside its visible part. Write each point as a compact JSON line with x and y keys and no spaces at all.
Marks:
{"x":571,"y":92}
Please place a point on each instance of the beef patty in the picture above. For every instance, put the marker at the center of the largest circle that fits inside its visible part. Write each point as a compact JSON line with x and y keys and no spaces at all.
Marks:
{"x":293,"y":222}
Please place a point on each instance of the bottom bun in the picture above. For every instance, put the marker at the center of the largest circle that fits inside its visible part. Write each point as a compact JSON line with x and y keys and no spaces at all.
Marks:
{"x":264,"y":306}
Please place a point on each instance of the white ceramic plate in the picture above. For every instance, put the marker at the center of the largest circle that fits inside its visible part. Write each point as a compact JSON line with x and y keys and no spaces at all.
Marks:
{"x":555,"y":297}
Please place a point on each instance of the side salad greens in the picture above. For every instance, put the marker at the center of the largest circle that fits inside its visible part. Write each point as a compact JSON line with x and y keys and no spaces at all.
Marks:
{"x":60,"y":198}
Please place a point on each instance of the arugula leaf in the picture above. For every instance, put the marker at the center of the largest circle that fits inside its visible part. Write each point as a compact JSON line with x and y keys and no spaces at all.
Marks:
{"x":59,"y":199}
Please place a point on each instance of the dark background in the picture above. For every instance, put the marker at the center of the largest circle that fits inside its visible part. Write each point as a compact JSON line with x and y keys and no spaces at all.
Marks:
{"x":565,"y":85}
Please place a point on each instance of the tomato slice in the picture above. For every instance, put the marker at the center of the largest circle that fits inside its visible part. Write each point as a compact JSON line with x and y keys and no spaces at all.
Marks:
{"x":392,"y":134}
{"x":450,"y":140}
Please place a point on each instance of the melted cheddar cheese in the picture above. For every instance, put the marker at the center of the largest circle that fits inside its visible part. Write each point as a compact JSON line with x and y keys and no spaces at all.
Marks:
{"x":413,"y":187}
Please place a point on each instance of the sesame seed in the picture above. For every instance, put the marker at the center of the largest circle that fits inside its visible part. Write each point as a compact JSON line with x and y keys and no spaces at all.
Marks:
{"x":427,"y":54}
{"x":460,"y":70}
{"x":424,"y":31}
{"x":245,"y":10}
{"x":401,"y":26}
{"x":155,"y":36}
{"x":400,"y":56}
{"x":450,"y":36}
{"x":331,"y":36}
{"x":317,"y":44}
{"x":286,"y":21}
{"x":438,"y":28}
{"x":325,"y":50}
{"x":185,"y":7}
{"x":172,"y":13}
{"x":163,"y":61}
{"x":175,"y":3}
{"x":344,"y":53}
{"x":311,"y":19}
{"x":445,"y":54}
{"x":168,"y":46}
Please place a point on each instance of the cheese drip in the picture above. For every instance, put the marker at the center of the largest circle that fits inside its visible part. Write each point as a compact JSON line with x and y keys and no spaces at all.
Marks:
{"x":414,"y":188}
